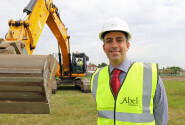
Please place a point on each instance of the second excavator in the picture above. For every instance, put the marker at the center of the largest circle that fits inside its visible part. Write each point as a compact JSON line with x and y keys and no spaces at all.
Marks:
{"x":26,"y":80}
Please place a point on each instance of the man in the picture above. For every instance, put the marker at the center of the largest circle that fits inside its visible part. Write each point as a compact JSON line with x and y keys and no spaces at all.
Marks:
{"x":126,"y":92}
{"x":79,"y":65}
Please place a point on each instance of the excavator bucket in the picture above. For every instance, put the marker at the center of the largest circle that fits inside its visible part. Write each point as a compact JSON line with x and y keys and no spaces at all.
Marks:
{"x":26,"y":83}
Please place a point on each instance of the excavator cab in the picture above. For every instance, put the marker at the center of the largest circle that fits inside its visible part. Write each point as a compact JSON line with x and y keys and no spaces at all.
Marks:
{"x":79,"y":63}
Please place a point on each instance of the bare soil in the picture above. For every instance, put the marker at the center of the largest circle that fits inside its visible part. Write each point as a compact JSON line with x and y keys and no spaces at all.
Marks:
{"x":173,"y":78}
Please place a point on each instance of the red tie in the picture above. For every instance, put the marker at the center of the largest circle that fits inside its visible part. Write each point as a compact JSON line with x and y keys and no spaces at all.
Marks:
{"x":115,"y":83}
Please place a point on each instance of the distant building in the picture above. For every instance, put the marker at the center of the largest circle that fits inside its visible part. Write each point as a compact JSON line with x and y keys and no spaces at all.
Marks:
{"x":167,"y":71}
{"x":182,"y":72}
{"x":91,"y":67}
{"x":171,"y":72}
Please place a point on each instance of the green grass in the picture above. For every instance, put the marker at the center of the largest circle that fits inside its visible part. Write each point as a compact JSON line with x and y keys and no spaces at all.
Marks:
{"x":176,"y":101}
{"x":78,"y":108}
{"x":70,"y":106}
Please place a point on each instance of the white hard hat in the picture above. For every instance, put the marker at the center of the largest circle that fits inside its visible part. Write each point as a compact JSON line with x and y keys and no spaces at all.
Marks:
{"x":115,"y":24}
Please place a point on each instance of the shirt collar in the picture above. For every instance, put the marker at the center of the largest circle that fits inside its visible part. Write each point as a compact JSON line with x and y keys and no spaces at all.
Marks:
{"x":123,"y":67}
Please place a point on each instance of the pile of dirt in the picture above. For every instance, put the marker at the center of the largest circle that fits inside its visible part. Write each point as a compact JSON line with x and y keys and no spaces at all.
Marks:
{"x":174,"y":78}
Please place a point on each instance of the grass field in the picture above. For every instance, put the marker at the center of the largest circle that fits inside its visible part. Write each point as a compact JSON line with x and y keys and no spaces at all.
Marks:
{"x":176,"y":101}
{"x":71,"y":107}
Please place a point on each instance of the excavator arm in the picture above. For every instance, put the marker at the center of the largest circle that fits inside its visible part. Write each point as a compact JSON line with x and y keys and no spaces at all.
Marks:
{"x":30,"y":26}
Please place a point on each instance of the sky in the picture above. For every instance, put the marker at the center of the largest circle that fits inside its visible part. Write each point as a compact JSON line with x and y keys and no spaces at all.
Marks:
{"x":157,"y":28}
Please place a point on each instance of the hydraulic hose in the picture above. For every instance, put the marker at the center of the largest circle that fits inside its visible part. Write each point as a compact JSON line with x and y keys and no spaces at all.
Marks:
{"x":28,"y":9}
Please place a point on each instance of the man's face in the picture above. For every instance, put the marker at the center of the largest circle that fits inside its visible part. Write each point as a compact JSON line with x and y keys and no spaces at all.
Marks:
{"x":115,"y":47}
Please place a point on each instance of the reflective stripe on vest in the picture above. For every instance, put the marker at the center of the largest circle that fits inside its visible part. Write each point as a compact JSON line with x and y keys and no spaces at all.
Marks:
{"x":147,"y":115}
{"x":94,"y":89}
{"x":128,"y":117}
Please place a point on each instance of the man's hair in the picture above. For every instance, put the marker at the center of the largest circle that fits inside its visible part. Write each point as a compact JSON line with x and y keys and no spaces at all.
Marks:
{"x":125,"y":33}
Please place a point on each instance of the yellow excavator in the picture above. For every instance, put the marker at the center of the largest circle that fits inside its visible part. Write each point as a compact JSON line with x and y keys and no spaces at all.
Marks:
{"x":26,"y":80}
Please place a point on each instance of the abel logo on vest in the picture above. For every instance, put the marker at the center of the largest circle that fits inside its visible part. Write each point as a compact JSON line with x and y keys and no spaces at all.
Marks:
{"x":130,"y":101}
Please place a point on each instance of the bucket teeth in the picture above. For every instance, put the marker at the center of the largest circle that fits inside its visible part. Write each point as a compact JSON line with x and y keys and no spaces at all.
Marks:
{"x":26,"y":83}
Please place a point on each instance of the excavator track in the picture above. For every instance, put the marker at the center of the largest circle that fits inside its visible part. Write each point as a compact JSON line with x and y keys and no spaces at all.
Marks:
{"x":26,"y":83}
{"x":84,"y":84}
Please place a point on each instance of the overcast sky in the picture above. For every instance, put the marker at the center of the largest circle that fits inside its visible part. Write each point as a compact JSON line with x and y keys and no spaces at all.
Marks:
{"x":157,"y":27}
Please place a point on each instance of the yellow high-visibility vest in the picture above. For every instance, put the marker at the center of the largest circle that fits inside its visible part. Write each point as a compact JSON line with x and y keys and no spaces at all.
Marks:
{"x":133,"y":104}
{"x":79,"y":63}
